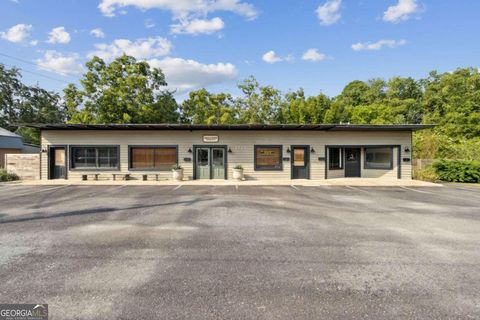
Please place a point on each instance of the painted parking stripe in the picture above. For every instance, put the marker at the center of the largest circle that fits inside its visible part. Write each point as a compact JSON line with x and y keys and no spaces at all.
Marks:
{"x":357,"y":189}
{"x":296,"y":188}
{"x":177,"y":187}
{"x":474,"y":190}
{"x":42,"y":190}
{"x":420,"y":191}
{"x":236,"y":187}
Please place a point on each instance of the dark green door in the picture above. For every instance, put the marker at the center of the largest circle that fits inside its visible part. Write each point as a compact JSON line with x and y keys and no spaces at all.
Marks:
{"x":352,"y":162}
{"x":300,"y":162}
{"x":58,"y":169}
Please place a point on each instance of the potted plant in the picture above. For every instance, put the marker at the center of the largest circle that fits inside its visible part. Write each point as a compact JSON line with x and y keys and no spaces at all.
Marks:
{"x":238,"y":172}
{"x":177,"y":172}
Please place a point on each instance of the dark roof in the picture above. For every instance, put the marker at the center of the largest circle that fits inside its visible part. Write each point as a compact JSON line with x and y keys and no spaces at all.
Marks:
{"x":10,"y":140}
{"x":192,"y":127}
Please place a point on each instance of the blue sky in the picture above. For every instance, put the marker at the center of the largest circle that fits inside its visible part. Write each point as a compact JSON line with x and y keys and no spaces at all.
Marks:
{"x":317,"y":45}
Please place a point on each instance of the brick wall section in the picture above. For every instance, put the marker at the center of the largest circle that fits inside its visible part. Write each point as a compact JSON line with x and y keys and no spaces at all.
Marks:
{"x":26,"y":166}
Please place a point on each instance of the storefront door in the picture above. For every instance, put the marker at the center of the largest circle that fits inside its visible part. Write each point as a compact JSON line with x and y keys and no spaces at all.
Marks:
{"x":210,"y":162}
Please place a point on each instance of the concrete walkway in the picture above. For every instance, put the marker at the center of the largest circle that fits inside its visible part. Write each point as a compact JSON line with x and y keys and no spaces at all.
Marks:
{"x":359,"y":182}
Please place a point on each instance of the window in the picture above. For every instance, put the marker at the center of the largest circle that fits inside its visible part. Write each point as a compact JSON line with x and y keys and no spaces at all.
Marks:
{"x":95,"y":157}
{"x":379,"y":158}
{"x":152,"y":158}
{"x":335,"y":158}
{"x":268,"y":157}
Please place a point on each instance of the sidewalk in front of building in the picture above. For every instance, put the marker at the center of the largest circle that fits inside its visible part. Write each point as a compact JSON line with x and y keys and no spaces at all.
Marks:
{"x":358,"y":182}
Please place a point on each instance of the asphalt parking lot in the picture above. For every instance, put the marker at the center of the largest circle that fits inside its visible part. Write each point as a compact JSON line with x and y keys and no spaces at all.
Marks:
{"x":256,"y":252}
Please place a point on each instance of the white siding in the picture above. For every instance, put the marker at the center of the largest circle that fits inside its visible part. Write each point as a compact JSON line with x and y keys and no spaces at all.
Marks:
{"x":240,"y":142}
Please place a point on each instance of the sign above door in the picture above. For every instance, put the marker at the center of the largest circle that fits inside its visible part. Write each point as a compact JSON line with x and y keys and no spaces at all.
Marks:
{"x":210,"y":139}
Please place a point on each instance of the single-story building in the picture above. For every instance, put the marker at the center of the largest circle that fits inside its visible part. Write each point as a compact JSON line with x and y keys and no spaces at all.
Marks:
{"x":324,"y":151}
{"x":12,"y":143}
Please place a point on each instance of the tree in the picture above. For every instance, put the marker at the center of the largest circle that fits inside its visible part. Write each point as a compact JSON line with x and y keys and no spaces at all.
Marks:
{"x":205,"y":107}
{"x":296,"y":108}
{"x":124,"y":91}
{"x":12,"y":91}
{"x":452,"y":101}
{"x":260,"y":104}
{"x":22,"y":104}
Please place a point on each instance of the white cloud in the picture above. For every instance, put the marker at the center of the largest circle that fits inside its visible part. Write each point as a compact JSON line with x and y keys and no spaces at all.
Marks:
{"x":313,"y":55}
{"x":329,"y":12}
{"x":272,"y":57}
{"x":97,"y":33}
{"x":198,"y":26}
{"x":149,"y":23}
{"x":146,"y":48}
{"x":33,"y":43}
{"x":368,"y":46}
{"x":182,"y":8}
{"x":185,"y":74}
{"x":58,"y":35}
{"x":17,"y":33}
{"x":401,"y":11}
{"x":60,"y":63}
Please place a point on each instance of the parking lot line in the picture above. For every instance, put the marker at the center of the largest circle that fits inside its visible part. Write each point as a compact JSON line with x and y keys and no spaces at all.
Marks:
{"x":296,"y":188}
{"x":177,"y":187}
{"x":420,"y":191}
{"x":37,"y":191}
{"x":358,"y":189}
{"x":236,"y":187}
{"x":477,"y":190}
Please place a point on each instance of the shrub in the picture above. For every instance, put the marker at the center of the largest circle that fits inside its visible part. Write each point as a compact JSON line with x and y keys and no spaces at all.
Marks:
{"x":7,"y":176}
{"x":176,"y":166}
{"x":238,"y":167}
{"x":425,"y":174}
{"x":457,"y":170}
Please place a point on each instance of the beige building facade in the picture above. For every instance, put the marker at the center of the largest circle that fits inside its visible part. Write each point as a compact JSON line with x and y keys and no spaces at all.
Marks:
{"x":265,"y":152}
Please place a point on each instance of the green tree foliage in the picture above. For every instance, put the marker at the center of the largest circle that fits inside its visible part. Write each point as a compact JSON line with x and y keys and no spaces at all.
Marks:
{"x":296,"y":108}
{"x":124,"y":91}
{"x":259,"y":104}
{"x":22,"y":104}
{"x":205,"y":107}
{"x":452,"y":101}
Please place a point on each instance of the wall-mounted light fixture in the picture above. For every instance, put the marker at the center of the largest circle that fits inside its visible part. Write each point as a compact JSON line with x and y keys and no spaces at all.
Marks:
{"x":406,"y":149}
{"x":189,"y":150}
{"x":44,"y":150}
{"x":312,"y":151}
{"x":288,"y":150}
{"x":230,"y":150}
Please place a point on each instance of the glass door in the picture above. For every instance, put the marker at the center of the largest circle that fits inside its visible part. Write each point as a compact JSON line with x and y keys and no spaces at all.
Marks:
{"x":203,"y":163}
{"x":218,"y":163}
{"x":300,"y":162}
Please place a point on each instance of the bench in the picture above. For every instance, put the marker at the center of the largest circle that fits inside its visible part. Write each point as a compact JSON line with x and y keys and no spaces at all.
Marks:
{"x":126,"y":176}
{"x":145,"y":176}
{"x":94,"y":175}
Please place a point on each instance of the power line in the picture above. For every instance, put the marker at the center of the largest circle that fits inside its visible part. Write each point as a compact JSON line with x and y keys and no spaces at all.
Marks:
{"x":37,"y":74}
{"x":33,"y":72}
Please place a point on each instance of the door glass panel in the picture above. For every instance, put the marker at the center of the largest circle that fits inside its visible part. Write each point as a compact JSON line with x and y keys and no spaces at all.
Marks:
{"x":59,"y":157}
{"x":299,"y":157}
{"x":217,"y":157}
{"x":351,"y":156}
{"x":202,"y":157}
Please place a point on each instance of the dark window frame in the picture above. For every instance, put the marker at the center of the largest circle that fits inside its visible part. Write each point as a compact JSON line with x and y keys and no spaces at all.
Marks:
{"x":398,"y":146}
{"x":71,"y":167}
{"x":365,"y":165}
{"x":263,"y":168}
{"x":341,"y":159}
{"x":130,"y":147}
